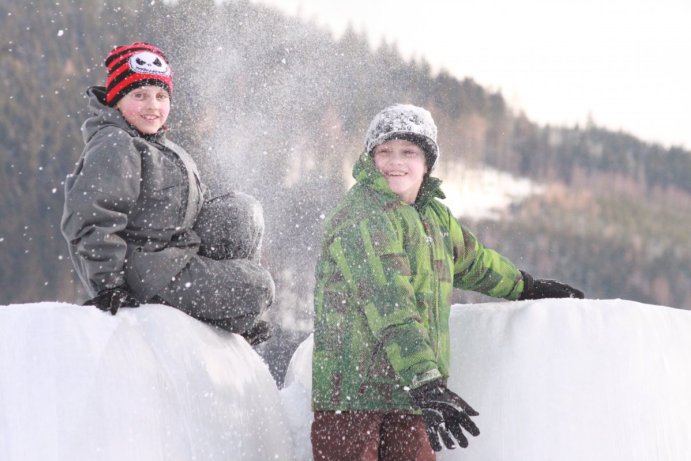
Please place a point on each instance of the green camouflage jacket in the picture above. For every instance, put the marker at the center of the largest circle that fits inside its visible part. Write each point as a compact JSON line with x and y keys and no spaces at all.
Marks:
{"x":383,"y":293}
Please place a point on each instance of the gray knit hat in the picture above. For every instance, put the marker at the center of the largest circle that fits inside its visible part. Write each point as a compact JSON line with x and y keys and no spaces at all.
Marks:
{"x":405,"y":121}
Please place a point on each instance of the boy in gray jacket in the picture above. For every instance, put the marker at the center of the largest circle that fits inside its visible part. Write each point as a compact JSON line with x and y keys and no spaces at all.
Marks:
{"x":136,"y":219}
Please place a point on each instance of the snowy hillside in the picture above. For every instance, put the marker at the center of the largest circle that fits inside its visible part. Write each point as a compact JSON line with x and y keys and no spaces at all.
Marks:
{"x":553,"y":380}
{"x":483,"y":193}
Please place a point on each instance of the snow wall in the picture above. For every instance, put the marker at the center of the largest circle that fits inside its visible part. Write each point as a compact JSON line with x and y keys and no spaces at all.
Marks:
{"x":559,"y":380}
{"x":148,"y":384}
{"x":553,"y":380}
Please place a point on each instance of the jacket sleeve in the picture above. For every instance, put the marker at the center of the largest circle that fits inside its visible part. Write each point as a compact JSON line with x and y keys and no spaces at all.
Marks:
{"x":371,"y":258}
{"x":98,"y":196}
{"x":481,"y":269}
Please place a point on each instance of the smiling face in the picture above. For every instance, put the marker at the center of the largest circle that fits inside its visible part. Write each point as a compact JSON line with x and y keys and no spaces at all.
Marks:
{"x":403,"y":165}
{"x":145,"y":108}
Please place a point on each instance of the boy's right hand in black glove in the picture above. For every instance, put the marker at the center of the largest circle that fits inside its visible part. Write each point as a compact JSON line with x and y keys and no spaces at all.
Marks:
{"x":445,"y":414}
{"x":112,"y":299}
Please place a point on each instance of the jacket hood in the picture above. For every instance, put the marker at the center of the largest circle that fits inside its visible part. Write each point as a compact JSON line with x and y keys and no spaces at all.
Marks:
{"x":366,"y":173}
{"x":102,"y":115}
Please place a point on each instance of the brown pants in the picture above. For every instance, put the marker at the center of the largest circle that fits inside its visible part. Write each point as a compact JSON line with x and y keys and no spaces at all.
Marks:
{"x":369,"y":436}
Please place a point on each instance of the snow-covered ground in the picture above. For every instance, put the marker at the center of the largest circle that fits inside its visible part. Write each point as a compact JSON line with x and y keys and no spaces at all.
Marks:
{"x":553,"y":380}
{"x":477,"y":192}
{"x":483,"y":193}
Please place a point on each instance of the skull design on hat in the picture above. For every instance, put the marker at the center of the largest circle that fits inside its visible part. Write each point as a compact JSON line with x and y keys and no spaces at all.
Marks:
{"x":147,"y":62}
{"x":133,"y":66}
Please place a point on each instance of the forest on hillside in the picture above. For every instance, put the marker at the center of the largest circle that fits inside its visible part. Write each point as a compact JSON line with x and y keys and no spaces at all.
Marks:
{"x":278,"y":108}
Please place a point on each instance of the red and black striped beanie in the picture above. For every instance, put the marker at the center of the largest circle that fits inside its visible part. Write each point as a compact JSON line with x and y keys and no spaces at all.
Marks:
{"x":133,"y":66}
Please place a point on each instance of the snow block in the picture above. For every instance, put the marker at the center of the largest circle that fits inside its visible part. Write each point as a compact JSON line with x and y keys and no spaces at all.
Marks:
{"x":564,"y":380}
{"x":147,"y":384}
{"x":297,"y":396}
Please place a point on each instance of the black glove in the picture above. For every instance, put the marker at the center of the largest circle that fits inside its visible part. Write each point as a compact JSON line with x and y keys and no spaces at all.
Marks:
{"x":539,"y":289}
{"x":260,"y":332}
{"x":112,"y":299}
{"x":445,"y":414}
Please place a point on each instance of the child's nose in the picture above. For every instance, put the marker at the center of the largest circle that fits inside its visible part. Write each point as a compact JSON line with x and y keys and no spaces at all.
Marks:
{"x":397,"y":158}
{"x":153,"y":103}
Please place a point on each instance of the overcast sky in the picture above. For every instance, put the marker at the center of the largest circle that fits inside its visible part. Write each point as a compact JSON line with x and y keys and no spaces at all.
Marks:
{"x":625,"y":63}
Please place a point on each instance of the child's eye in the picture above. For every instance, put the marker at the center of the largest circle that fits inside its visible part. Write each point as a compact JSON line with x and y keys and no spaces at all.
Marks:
{"x":162,"y":96}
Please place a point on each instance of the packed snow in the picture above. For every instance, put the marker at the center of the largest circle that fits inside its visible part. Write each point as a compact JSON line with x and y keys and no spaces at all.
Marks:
{"x":558,"y":380}
{"x":146,"y":384}
{"x":552,"y":379}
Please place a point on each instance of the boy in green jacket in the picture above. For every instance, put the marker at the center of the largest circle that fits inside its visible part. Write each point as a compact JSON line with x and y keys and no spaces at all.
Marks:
{"x":391,"y":255}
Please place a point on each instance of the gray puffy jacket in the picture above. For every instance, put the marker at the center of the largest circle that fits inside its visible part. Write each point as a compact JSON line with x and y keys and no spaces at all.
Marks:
{"x":129,"y":205}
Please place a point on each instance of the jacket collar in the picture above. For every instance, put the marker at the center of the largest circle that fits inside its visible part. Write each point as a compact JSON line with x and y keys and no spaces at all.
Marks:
{"x":366,"y":173}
